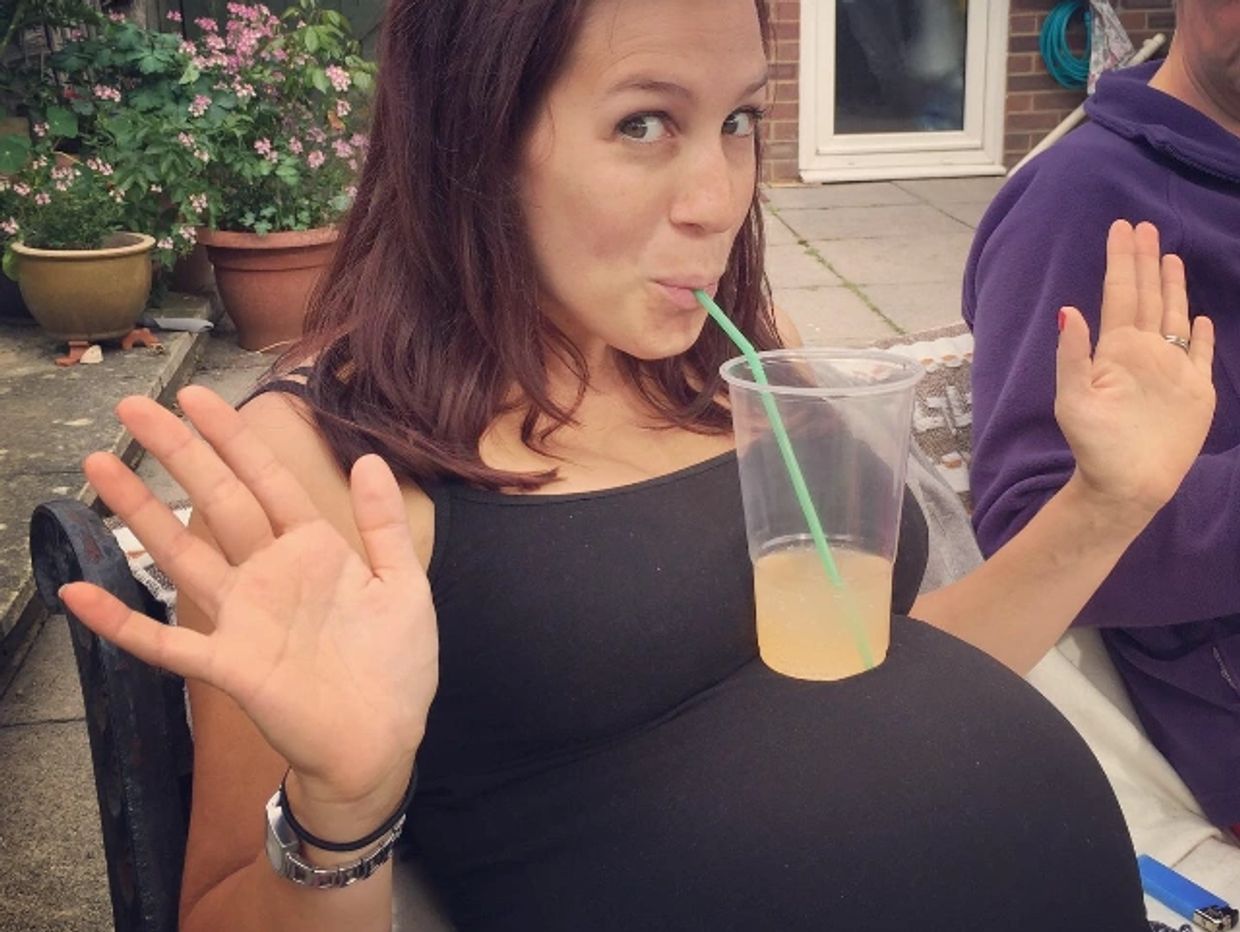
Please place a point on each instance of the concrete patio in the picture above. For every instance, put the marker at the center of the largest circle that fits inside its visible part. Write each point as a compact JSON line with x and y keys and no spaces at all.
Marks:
{"x":850,"y":263}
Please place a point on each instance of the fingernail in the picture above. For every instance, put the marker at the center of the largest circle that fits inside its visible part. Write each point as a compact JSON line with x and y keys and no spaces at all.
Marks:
{"x":1063,"y":319}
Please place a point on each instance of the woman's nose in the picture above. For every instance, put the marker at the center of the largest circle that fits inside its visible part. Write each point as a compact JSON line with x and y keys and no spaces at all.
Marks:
{"x":707,"y":188}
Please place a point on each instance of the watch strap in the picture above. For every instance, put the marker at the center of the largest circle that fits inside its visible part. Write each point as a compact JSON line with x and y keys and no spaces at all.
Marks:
{"x":284,"y":851}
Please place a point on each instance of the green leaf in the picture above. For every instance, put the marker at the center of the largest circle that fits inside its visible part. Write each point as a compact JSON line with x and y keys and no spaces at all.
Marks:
{"x":10,"y":263}
{"x":62,"y":122}
{"x":311,"y":39}
{"x":150,"y":63}
{"x":189,"y":75}
{"x":318,"y":77}
{"x":14,"y":151}
{"x":363,"y":81}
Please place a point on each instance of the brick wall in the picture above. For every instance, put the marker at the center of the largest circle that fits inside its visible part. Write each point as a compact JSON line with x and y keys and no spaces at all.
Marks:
{"x":781,"y":127}
{"x":1035,"y":103}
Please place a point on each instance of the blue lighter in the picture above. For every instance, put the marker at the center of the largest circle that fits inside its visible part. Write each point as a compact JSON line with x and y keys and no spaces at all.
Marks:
{"x":1177,"y":892}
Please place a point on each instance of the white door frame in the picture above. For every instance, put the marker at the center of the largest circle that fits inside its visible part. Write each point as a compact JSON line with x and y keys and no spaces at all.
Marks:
{"x":975,"y":150}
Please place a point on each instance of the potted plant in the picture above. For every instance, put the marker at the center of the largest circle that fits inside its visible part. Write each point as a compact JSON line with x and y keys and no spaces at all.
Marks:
{"x":112,"y":92}
{"x":278,"y":103}
{"x":82,"y":277}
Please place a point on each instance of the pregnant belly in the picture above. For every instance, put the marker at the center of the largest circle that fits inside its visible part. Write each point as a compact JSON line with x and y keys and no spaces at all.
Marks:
{"x":938,"y":790}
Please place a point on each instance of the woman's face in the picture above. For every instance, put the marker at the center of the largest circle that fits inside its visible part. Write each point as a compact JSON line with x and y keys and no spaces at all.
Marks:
{"x":640,"y":170}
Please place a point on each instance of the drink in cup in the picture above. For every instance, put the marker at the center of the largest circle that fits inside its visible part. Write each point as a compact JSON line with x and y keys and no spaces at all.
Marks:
{"x":823,"y":612}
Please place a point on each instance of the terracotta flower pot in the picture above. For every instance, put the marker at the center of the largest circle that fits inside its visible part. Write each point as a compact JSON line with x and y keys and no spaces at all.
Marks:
{"x":87,"y":294}
{"x":265,"y":282}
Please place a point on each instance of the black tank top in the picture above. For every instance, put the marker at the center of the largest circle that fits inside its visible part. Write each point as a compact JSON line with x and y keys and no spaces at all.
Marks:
{"x":606,"y":751}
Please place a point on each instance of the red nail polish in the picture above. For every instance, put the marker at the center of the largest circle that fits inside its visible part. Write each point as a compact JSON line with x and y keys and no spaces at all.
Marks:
{"x":1063,"y":318}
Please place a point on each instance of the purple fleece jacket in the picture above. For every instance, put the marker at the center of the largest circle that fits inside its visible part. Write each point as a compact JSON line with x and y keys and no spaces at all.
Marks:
{"x":1170,"y":612}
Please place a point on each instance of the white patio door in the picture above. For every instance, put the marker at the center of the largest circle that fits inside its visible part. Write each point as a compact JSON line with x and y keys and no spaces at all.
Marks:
{"x":902,"y":88}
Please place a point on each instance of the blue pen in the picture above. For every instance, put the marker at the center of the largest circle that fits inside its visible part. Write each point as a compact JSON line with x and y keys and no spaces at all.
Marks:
{"x":1177,"y":892}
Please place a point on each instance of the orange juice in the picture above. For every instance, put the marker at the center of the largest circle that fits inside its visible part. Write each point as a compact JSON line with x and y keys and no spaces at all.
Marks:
{"x":804,"y":628}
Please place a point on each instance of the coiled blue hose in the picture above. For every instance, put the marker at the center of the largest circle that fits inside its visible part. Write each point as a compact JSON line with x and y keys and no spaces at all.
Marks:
{"x":1068,"y":69}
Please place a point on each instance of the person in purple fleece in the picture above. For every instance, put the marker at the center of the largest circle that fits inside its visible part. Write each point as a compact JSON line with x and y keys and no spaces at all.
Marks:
{"x":1163,"y":145}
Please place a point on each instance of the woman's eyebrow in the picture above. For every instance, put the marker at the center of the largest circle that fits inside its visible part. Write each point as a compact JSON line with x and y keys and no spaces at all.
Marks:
{"x":658,"y":86}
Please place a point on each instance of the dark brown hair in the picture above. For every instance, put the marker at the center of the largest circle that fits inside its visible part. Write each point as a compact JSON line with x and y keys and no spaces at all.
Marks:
{"x":429,"y":316}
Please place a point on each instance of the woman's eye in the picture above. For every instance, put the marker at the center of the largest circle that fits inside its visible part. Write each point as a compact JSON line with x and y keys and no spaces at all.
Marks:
{"x":743,"y":123}
{"x":644,"y":127}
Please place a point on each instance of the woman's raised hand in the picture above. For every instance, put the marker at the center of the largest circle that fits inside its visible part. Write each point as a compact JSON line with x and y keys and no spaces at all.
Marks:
{"x":334,"y":657}
{"x":1136,"y":412}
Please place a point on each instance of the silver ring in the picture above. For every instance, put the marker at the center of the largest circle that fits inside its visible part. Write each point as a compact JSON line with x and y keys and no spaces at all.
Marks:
{"x":1176,"y":341}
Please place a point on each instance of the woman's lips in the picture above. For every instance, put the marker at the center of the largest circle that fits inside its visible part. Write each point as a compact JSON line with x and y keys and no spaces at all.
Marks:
{"x":682,"y":296}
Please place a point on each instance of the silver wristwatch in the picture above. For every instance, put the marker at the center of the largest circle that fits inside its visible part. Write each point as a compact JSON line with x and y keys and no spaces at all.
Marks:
{"x":284,"y":853}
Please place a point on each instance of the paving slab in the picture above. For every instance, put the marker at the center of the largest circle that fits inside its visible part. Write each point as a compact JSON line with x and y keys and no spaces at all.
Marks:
{"x":917,"y":307}
{"x":46,"y":687}
{"x":858,"y":194}
{"x":53,"y":877}
{"x":835,"y":223}
{"x":796,"y":267}
{"x":969,"y":213}
{"x":777,"y":232}
{"x":832,"y":316}
{"x":52,"y":417}
{"x":898,"y":259}
{"x":940,"y":191}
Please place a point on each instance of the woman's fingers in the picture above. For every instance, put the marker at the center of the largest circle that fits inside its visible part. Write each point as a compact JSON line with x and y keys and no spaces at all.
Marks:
{"x":1150,"y":289}
{"x":232,"y":513}
{"x":381,"y":519}
{"x":196,"y":568}
{"x":1201,"y":346}
{"x":180,"y":650}
{"x":272,"y":484}
{"x":1073,"y":365}
{"x":1174,"y":298}
{"x":1119,"y":289}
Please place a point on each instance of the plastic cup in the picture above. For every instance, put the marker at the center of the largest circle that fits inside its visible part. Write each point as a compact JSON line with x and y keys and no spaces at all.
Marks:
{"x":848,"y":416}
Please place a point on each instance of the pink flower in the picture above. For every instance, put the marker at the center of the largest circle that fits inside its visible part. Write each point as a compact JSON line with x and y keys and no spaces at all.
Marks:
{"x":21,"y":190}
{"x":188,"y":48}
{"x":103,"y":92}
{"x":294,"y":146}
{"x":187,"y":233}
{"x":263,"y":146}
{"x":199,"y":203}
{"x":174,"y":16}
{"x":316,"y":159}
{"x":342,"y":108}
{"x":117,"y":17}
{"x":40,"y":130}
{"x":157,"y":189}
{"x":10,"y":226}
{"x":166,"y":243}
{"x":42,"y":199}
{"x":199,"y":105}
{"x":352,"y":165}
{"x":186,"y":140}
{"x":351,"y":191}
{"x":202,"y":155}
{"x":316,"y":135}
{"x":340,"y":78}
{"x":207,"y":24}
{"x":342,"y":149}
{"x":215,"y":43}
{"x":359,"y":141}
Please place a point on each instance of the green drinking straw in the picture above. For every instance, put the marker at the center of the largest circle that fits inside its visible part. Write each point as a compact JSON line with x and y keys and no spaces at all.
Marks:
{"x":790,"y":461}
